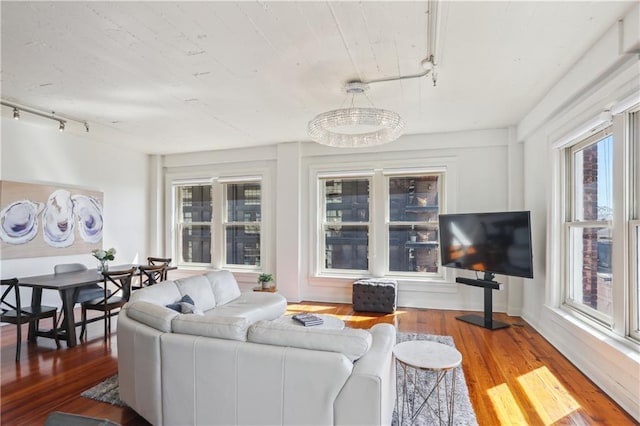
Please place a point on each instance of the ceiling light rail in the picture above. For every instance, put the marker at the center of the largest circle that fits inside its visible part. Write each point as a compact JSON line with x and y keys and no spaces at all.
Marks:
{"x":61,"y":120}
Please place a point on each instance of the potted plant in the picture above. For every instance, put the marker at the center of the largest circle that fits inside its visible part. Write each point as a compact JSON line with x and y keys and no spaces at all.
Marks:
{"x":264,"y":280}
{"x":103,"y":257}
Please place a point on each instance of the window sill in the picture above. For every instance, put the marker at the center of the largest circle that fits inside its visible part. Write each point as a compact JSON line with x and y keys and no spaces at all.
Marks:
{"x":623,"y":345}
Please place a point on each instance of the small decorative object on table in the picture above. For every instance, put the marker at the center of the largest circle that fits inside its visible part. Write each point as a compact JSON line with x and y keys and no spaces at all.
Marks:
{"x":264,"y":280}
{"x":104,"y":257}
{"x":307,"y":319}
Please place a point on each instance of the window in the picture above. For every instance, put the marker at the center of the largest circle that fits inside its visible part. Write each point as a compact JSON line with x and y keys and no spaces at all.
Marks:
{"x":589,"y":228}
{"x":242,"y":223}
{"x":402,"y":232}
{"x":194,"y":217}
{"x":219,"y":224}
{"x":600,"y":273}
{"x":345,"y":227}
{"x":413,"y":223}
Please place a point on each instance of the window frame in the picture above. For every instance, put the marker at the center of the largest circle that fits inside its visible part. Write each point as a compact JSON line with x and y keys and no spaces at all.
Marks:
{"x":226,"y":223}
{"x":178,"y":224}
{"x":625,"y":320}
{"x":572,"y":223}
{"x":378,"y":217}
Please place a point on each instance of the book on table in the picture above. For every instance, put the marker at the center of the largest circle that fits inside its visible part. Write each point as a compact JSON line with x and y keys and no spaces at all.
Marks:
{"x":308,"y":319}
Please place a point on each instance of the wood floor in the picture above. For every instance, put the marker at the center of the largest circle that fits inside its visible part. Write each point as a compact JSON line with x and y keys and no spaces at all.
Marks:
{"x":515,"y":377}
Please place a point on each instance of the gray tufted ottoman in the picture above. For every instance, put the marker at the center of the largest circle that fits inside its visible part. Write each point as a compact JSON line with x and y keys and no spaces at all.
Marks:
{"x":375,"y":295}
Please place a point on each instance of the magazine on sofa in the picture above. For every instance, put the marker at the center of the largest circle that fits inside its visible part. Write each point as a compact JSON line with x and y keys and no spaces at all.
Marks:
{"x":308,"y":319}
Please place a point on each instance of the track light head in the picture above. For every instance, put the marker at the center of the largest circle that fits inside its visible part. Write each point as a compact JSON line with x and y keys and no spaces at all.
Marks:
{"x":16,"y":114}
{"x":86,"y":126}
{"x":61,"y":127}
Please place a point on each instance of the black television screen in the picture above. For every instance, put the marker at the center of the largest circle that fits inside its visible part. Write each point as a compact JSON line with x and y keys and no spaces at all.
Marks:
{"x":495,"y":243}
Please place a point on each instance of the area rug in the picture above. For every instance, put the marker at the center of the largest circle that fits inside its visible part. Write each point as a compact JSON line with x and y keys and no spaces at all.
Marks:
{"x":463,"y":413}
{"x":106,"y":391}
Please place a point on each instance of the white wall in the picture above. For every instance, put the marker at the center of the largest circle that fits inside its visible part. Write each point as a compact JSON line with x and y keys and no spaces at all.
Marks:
{"x":478,"y":178}
{"x":36,"y":152}
{"x":604,"y":75}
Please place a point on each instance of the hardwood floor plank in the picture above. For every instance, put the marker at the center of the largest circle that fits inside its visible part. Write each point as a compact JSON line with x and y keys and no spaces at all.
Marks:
{"x":514,"y":375}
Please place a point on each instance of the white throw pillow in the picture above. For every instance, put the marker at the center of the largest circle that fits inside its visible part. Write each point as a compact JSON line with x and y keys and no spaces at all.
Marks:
{"x":224,"y":285}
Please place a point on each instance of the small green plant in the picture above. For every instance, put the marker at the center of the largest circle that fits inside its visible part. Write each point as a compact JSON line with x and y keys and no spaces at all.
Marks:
{"x":265,"y":278}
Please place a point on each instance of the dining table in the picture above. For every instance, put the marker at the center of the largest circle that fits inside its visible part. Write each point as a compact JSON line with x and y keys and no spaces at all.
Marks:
{"x":68,"y":285}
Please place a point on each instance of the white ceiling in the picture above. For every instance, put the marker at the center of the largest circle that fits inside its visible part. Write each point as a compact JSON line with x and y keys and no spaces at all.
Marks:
{"x":167,"y":77}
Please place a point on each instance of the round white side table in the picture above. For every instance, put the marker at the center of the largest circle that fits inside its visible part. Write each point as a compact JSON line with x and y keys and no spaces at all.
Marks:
{"x":426,"y":357}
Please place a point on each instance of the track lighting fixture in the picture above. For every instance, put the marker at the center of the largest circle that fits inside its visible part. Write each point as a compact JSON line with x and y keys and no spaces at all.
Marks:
{"x":62,"y":120}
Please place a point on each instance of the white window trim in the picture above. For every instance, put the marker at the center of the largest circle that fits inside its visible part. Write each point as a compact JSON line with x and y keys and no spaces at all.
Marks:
{"x":434,"y":164}
{"x":215,"y":176}
{"x":176,"y":225}
{"x":557,"y":254}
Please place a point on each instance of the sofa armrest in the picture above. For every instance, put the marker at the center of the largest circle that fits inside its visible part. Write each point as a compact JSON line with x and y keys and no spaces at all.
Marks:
{"x":372,"y":384}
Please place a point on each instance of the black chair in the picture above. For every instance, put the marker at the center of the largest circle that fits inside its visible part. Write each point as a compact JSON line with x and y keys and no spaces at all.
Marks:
{"x":112,"y":298}
{"x":150,"y":274}
{"x":12,"y":312}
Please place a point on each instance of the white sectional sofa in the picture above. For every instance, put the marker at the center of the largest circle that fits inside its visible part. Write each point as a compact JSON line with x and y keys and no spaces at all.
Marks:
{"x":233,"y":365}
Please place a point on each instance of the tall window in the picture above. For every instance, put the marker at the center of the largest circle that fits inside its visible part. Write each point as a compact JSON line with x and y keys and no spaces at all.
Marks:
{"x":345,"y":227}
{"x":413,"y":223}
{"x":219,"y":224}
{"x":242,"y":223}
{"x":194,"y":218}
{"x":601,"y":227}
{"x":589,"y":228}
{"x":402,"y":234}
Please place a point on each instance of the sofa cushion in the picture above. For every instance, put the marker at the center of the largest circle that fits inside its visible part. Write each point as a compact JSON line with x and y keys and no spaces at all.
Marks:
{"x":231,"y":328}
{"x":151,"y":314}
{"x":224,"y":286}
{"x":199,"y":289}
{"x":254,"y":306}
{"x":161,"y":294}
{"x":351,"y":342}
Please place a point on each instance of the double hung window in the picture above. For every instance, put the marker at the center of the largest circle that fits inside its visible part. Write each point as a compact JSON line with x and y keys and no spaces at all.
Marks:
{"x":388,"y":216}
{"x":590,"y":226}
{"x":601,"y":228}
{"x":194,"y":218}
{"x":219,"y":223}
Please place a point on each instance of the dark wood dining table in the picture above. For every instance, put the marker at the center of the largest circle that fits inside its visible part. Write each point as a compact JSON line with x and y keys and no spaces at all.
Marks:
{"x":67,"y":284}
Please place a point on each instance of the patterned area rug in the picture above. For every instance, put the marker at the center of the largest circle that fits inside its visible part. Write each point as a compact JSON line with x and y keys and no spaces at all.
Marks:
{"x":463,"y":413}
{"x":107,"y":391}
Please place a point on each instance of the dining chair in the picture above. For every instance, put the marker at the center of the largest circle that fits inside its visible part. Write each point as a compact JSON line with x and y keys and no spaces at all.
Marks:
{"x":12,"y":312}
{"x":153,"y":261}
{"x":116,"y":289}
{"x":150,"y":274}
{"x":83,"y":294}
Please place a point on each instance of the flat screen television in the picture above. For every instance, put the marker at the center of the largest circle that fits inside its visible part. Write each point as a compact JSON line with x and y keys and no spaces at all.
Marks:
{"x":493,"y":243}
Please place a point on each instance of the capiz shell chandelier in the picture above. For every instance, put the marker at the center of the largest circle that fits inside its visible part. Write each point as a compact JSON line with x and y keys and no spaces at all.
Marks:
{"x":355,"y":127}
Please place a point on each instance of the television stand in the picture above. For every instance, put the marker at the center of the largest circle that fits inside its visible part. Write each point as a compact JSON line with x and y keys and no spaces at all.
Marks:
{"x":487,"y":321}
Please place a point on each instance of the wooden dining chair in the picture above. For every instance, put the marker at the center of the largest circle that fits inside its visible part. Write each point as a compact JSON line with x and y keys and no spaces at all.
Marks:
{"x":12,"y":312}
{"x":150,"y":275}
{"x":154,"y":261}
{"x":116,"y":288}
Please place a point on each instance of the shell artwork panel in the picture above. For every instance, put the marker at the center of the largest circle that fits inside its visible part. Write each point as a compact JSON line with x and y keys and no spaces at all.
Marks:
{"x":44,"y":220}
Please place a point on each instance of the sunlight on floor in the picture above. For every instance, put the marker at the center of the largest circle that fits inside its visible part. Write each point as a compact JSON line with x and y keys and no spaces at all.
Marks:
{"x":547,"y":395}
{"x":351,"y":319}
{"x":505,"y":405}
